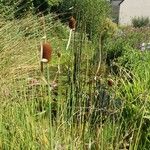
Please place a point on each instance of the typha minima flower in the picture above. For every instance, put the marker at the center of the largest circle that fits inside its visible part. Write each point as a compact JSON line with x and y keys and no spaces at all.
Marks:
{"x":46,"y":53}
{"x":72,"y":26}
{"x":58,"y":54}
{"x":110,"y":82}
{"x":72,"y":23}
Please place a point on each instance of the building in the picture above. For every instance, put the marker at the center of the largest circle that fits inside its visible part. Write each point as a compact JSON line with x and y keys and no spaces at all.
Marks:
{"x":125,"y":10}
{"x":133,"y":8}
{"x":115,"y":9}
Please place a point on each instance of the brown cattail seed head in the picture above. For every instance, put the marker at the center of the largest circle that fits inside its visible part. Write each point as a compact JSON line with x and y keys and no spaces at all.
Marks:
{"x":47,"y":52}
{"x":59,"y":54}
{"x":72,"y":23}
{"x":110,"y":82}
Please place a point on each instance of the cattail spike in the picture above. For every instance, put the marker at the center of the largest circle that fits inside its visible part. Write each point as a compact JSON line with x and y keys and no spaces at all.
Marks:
{"x":72,"y":26}
{"x":46,"y":52}
{"x":72,"y":23}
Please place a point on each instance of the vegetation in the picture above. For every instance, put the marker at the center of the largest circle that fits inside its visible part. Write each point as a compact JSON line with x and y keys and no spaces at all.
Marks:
{"x":100,"y":99}
{"x":140,"y":22}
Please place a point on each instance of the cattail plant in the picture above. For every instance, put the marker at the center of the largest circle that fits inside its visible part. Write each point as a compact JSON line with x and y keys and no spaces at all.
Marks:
{"x":72,"y":26}
{"x":46,"y":54}
{"x":46,"y":49}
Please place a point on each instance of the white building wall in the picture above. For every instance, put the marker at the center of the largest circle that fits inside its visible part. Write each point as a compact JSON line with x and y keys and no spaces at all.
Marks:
{"x":133,"y":8}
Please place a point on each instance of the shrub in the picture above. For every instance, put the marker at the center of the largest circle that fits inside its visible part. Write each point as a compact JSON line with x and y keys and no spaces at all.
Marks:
{"x":140,"y":22}
{"x":128,"y":37}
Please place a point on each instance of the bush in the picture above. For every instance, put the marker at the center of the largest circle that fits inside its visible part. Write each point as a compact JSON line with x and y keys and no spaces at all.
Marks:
{"x":140,"y":22}
{"x":128,"y":36}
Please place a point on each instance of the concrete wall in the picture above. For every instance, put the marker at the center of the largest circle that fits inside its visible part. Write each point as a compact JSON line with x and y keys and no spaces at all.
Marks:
{"x":133,"y":8}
